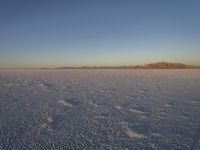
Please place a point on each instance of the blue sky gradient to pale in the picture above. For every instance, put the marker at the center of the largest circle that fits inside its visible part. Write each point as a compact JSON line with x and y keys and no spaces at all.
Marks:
{"x":51,"y":33}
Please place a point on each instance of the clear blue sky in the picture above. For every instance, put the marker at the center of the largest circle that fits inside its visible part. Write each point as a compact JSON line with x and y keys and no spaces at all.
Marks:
{"x":103,"y":32}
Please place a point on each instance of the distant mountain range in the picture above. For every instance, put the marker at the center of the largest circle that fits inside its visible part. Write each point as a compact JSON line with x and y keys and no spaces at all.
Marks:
{"x":166,"y":65}
{"x":157,"y":65}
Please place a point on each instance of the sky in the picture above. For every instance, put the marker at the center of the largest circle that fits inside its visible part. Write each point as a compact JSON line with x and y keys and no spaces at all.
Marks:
{"x":53,"y":33}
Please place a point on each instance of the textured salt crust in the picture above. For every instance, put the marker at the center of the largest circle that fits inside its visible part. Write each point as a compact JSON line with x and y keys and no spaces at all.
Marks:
{"x":92,"y":109}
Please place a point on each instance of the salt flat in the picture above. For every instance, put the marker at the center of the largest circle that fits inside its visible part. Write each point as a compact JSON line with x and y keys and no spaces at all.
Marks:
{"x":100,"y":109}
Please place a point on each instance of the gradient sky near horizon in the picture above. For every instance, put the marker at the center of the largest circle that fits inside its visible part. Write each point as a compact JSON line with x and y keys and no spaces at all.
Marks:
{"x":51,"y":33}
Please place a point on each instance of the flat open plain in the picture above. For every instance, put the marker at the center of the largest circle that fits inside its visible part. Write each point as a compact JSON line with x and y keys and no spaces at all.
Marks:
{"x":100,"y":109}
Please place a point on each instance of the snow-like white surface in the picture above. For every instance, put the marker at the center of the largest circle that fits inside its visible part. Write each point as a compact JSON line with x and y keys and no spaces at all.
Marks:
{"x":93,"y":109}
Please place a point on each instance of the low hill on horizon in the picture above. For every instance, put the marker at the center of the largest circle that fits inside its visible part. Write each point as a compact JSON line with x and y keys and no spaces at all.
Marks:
{"x":157,"y":65}
{"x":166,"y":65}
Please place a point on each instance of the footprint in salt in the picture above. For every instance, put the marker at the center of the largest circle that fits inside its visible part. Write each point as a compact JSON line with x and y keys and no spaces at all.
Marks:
{"x":170,"y":104}
{"x":64,"y":103}
{"x":69,"y":102}
{"x":131,"y":134}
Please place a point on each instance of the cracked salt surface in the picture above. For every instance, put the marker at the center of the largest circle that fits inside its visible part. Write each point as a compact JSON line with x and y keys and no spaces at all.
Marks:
{"x":100,"y":109}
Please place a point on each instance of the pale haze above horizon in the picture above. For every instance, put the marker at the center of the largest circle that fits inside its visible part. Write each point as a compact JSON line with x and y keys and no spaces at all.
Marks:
{"x":56,"y":33}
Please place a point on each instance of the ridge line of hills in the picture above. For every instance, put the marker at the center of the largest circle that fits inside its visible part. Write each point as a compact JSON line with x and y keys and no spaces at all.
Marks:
{"x":157,"y":65}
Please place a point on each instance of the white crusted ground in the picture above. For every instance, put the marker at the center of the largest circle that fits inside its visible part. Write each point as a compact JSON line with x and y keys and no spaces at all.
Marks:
{"x":92,"y":109}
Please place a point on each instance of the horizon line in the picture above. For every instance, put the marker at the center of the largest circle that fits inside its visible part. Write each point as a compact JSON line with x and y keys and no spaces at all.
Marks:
{"x":155,"y":65}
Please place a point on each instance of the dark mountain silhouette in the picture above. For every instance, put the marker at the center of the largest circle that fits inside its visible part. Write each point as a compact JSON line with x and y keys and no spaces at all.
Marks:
{"x":157,"y":65}
{"x":166,"y":65}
